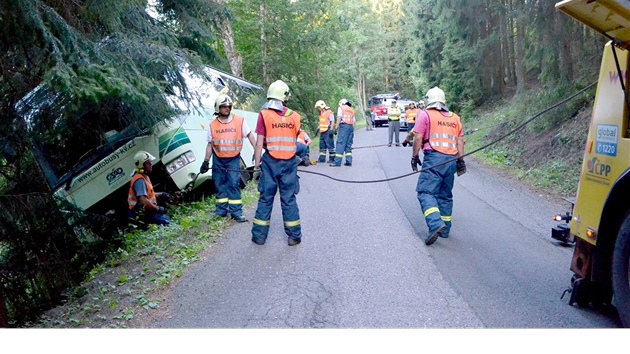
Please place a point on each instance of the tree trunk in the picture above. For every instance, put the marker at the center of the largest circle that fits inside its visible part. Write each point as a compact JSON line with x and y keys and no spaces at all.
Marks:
{"x":227,"y":37}
{"x":4,"y":319}
{"x":564,"y":50}
{"x":520,"y":55}
{"x":224,"y":25}
{"x":262,"y":14}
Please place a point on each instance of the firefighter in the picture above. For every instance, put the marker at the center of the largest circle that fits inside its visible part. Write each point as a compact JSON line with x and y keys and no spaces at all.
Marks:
{"x":225,"y":141}
{"x":277,"y":129}
{"x":409,"y":138}
{"x":345,"y":126}
{"x":393,"y":123}
{"x":142,"y":199}
{"x":440,"y":136}
{"x":326,"y":138}
{"x":410,"y":114}
{"x":303,"y":143}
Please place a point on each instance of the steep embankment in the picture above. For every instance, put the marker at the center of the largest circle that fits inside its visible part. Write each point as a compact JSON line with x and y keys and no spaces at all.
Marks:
{"x":546,"y":154}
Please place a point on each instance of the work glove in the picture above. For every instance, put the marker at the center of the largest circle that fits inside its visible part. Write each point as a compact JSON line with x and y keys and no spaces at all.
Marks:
{"x":161,"y":210}
{"x":415,"y":162}
{"x":405,"y":143}
{"x":257,"y":172}
{"x":461,"y":167}
{"x":205,"y":166}
{"x":165,"y":197}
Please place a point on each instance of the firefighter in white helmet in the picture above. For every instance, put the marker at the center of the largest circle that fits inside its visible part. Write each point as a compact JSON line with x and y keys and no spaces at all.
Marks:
{"x":142,"y":199}
{"x":326,"y":138}
{"x":278,"y":128}
{"x":225,"y":142}
{"x":440,"y":135}
{"x":345,"y":126}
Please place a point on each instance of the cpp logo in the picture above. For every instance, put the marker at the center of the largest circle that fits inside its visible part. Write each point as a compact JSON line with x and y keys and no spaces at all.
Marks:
{"x":594,"y":166}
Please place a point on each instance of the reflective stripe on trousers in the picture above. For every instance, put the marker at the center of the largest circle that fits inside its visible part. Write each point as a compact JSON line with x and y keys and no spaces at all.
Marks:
{"x":227,"y":180}
{"x":326,"y":143}
{"x":277,"y":175}
{"x":344,"y":143}
{"x":435,"y":189}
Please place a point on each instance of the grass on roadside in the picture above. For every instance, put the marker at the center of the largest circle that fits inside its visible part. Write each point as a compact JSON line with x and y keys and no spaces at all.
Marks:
{"x":521,"y":154}
{"x":127,"y":284}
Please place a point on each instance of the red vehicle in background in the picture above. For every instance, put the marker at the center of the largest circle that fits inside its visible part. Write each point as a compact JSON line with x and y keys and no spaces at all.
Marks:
{"x":379,"y":104}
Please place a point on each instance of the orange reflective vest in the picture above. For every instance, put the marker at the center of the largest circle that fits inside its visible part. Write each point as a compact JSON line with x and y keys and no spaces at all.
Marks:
{"x":302,"y":137}
{"x":347,"y":114}
{"x":323,"y":120}
{"x":132,"y":199}
{"x":227,"y":138}
{"x":410,"y":115}
{"x":282,"y":132}
{"x":443,"y":131}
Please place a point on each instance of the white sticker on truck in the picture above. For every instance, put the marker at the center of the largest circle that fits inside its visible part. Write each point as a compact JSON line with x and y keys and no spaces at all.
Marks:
{"x":606,"y":141}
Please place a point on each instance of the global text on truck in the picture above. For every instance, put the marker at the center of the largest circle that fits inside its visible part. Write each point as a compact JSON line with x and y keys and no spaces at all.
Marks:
{"x":599,"y":223}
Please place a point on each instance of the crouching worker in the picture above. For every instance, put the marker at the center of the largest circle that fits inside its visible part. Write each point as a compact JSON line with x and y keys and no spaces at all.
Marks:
{"x":303,"y":142}
{"x":142,"y":199}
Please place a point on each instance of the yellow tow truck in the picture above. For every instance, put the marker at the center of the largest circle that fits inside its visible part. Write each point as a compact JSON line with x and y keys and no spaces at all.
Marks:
{"x":599,"y":223}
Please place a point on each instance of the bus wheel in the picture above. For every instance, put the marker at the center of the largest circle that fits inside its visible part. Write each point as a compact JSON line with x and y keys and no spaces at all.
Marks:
{"x":620,"y":280}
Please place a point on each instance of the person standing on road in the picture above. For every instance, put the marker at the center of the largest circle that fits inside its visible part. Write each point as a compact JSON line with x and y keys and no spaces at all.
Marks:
{"x":326,"y":138}
{"x":441,"y":138}
{"x":345,"y":126}
{"x":372,"y":120}
{"x":142,"y":199}
{"x":410,"y":114}
{"x":225,"y":141}
{"x":393,"y":123}
{"x":303,"y":143}
{"x":410,"y":134}
{"x":369,"y":120}
{"x":277,"y":128}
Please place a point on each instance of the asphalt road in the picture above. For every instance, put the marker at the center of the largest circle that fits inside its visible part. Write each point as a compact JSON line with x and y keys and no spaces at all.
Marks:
{"x":362,"y":262}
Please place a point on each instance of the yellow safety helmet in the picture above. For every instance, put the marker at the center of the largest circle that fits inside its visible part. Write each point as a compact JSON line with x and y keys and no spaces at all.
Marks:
{"x":278,"y":90}
{"x":222,"y":100}
{"x":435,"y":95}
{"x":320,"y":104}
{"x":141,"y":157}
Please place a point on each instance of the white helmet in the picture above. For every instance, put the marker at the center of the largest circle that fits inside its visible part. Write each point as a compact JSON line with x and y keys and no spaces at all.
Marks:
{"x":421,"y":102}
{"x":435,"y":95}
{"x":141,"y":157}
{"x":278,"y":90}
{"x":343,"y":101}
{"x":320,"y":104}
{"x":222,"y":100}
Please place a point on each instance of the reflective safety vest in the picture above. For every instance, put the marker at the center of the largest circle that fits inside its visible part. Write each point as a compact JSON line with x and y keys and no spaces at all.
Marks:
{"x":323,"y":120}
{"x":393,"y":113}
{"x":410,"y":114}
{"x":282,"y":132}
{"x":443,"y":131}
{"x":227,"y":138}
{"x":132,"y":199}
{"x":302,"y":137}
{"x":347,"y":114}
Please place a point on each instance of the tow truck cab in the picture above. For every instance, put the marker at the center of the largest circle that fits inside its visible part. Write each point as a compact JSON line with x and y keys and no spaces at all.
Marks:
{"x":599,"y":222}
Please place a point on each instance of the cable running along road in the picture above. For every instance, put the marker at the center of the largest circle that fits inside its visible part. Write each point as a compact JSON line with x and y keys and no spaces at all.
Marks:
{"x":537,"y":115}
